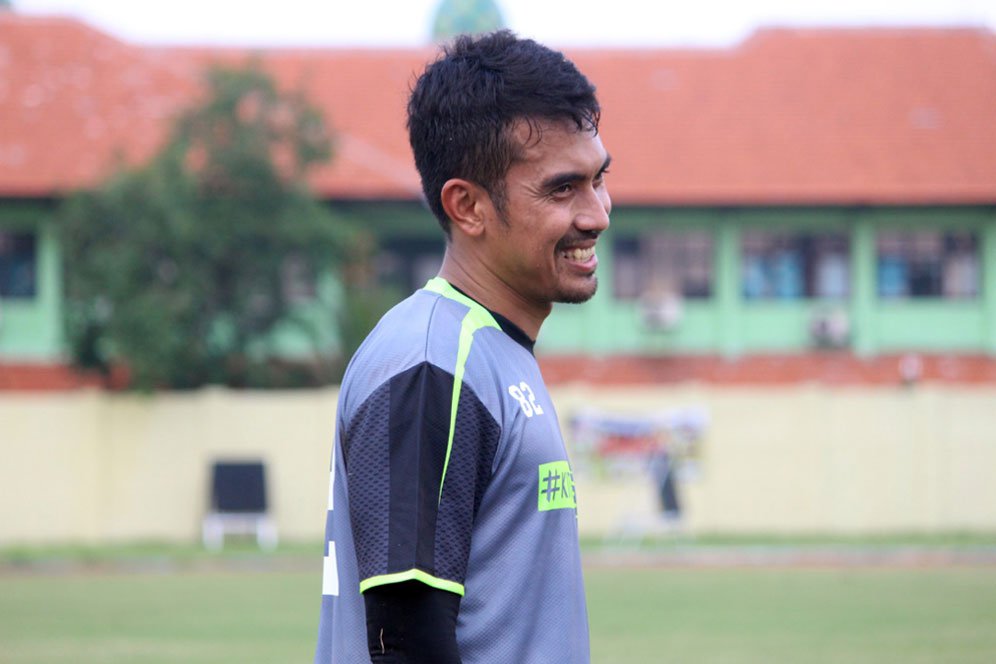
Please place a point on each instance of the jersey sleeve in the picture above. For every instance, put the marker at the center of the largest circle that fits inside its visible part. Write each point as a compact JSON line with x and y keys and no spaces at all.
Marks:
{"x":414,"y":489}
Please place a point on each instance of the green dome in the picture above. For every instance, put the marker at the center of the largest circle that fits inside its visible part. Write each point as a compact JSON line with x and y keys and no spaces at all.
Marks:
{"x":456,"y":17}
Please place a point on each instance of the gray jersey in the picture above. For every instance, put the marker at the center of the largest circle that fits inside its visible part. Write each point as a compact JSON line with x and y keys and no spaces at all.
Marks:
{"x":449,"y":468}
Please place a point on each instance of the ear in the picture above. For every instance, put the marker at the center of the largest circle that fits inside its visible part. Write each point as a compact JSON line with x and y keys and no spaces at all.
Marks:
{"x":467,"y":205}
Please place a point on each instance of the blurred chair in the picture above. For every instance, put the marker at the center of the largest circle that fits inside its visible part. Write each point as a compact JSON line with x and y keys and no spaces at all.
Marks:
{"x":238,"y":505}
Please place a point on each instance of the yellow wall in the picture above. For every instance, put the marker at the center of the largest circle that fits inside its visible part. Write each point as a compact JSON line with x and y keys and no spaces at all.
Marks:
{"x":820,"y":459}
{"x":93,"y":467}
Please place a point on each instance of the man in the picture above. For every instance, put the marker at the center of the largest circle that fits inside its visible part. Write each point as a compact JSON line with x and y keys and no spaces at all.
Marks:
{"x":452,"y":527}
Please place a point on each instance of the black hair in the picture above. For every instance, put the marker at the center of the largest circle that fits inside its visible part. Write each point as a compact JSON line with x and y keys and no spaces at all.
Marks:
{"x":464,"y":105}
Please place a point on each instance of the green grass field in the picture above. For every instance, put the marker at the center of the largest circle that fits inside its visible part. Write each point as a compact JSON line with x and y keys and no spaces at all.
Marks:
{"x":908,"y":616}
{"x":245,"y":612}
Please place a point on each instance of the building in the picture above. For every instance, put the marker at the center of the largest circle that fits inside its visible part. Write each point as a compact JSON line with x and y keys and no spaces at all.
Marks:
{"x":807,"y":205}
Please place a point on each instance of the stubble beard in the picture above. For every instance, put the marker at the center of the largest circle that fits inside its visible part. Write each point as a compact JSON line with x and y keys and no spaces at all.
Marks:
{"x":578,"y":296}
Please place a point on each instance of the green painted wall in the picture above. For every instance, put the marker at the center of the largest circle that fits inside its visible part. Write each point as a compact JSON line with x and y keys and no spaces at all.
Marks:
{"x":724,"y":323}
{"x":728,"y":324}
{"x":31,"y":328}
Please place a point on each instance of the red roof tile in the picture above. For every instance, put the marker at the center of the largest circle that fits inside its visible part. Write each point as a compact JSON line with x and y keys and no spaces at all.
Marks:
{"x":850,"y":116}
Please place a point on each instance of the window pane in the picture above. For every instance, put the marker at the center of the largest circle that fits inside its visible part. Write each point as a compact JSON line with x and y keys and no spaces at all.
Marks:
{"x":626,"y":268}
{"x":792,"y":266}
{"x":831,"y":267}
{"x":298,"y":279}
{"x":919,"y":264}
{"x":18,"y":265}
{"x":662,"y":262}
{"x":961,"y":273}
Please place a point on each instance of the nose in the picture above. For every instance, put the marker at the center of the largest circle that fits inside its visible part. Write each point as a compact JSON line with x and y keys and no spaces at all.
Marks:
{"x":595,"y":215}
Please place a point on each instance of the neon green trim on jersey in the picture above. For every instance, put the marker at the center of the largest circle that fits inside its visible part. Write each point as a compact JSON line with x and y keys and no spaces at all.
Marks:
{"x":476,"y":318}
{"x":411,"y":575}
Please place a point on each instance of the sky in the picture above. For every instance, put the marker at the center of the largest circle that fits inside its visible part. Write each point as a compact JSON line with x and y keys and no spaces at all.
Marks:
{"x":698,"y":23}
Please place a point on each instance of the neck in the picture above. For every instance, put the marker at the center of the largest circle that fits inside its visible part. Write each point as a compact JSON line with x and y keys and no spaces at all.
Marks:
{"x":484,"y":286}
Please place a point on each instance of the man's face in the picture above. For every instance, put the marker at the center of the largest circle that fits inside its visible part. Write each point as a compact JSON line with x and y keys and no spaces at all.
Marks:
{"x":555,"y":207}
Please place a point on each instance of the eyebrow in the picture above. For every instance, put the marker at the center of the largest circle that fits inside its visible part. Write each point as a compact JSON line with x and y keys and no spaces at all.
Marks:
{"x":560,"y":179}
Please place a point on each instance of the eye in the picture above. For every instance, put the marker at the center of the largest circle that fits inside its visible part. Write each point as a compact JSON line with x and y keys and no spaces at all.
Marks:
{"x":562,"y":190}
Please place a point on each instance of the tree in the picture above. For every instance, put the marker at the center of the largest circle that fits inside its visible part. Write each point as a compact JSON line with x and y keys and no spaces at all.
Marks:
{"x":455,"y":17}
{"x":178,"y":269}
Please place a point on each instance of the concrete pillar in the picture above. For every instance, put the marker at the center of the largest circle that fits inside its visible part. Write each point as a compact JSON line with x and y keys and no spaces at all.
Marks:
{"x":729,"y":299}
{"x":987,"y":257}
{"x":863,"y":286}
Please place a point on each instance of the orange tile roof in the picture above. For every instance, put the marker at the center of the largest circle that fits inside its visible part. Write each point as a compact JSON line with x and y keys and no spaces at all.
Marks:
{"x":842,"y":116}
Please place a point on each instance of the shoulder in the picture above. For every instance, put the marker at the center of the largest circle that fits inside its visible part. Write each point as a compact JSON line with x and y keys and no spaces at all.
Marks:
{"x":396,"y":343}
{"x":446,"y":331}
{"x":422,"y":329}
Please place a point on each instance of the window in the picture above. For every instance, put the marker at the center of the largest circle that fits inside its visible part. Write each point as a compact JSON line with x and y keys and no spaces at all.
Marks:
{"x":918,"y":264}
{"x":792,"y":266}
{"x":409,"y":263}
{"x":298,"y":279}
{"x":18,"y":265}
{"x":663,"y":262}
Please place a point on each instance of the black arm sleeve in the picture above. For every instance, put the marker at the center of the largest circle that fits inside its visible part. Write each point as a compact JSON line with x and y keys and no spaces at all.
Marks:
{"x":411,"y":623}
{"x":408,"y":516}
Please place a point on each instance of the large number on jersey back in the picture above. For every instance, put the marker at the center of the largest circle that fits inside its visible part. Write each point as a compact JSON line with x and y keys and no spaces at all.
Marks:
{"x":527,"y":400}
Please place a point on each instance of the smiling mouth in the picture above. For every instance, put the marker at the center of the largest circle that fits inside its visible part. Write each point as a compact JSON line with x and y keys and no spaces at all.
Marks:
{"x":579,"y":255}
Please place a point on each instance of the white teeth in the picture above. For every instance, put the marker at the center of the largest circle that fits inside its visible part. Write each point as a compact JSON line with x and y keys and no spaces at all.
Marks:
{"x":579,"y":255}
